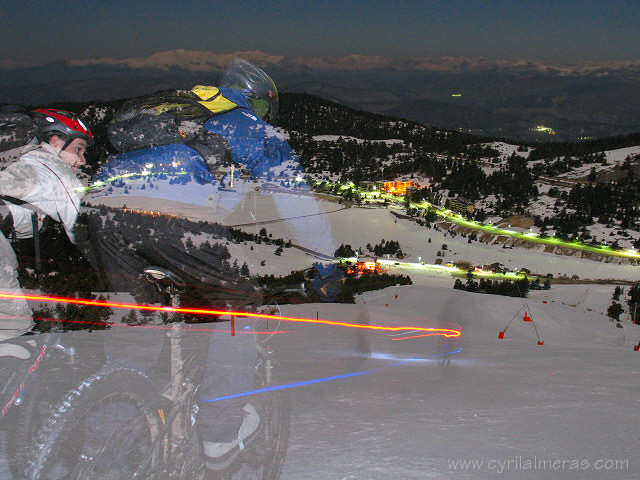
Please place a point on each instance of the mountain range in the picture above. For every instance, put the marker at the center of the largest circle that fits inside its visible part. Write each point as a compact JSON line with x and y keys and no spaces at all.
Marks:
{"x":498,"y":98}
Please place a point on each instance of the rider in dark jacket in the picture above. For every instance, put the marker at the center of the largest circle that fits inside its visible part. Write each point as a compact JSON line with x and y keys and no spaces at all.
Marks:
{"x":228,"y":186}
{"x":207,"y":179}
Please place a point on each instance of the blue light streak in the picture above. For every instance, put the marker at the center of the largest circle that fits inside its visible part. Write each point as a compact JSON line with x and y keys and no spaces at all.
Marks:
{"x":305,"y":383}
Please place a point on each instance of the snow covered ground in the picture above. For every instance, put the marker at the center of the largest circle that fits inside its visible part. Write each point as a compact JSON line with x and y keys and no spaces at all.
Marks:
{"x":395,"y":405}
{"x":497,"y":408}
{"x":516,"y":409}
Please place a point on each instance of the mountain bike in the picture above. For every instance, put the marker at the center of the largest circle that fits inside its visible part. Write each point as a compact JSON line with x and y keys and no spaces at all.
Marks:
{"x":123,"y":423}
{"x":33,"y":386}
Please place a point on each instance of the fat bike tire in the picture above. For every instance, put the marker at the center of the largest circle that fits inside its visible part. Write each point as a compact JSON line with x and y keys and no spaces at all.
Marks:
{"x":41,"y":398}
{"x":270,"y":447}
{"x":44,"y":390}
{"x":106,"y":428}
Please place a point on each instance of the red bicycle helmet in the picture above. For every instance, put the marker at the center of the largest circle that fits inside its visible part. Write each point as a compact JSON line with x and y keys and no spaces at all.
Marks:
{"x":61,"y":122}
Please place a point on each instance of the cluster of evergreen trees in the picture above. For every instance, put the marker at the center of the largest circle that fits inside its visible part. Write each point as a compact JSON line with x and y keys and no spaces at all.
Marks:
{"x":557,"y":165}
{"x":385,"y":247}
{"x":580,"y":149}
{"x":165,"y":238}
{"x":311,"y":115}
{"x":67,"y":316}
{"x":633,"y":302}
{"x":273,"y":287}
{"x":354,"y":286}
{"x":611,"y":203}
{"x":262,"y":236}
{"x":63,"y":271}
{"x":517,"y":288}
{"x":616,"y":309}
{"x":214,"y":277}
{"x":347,"y":158}
{"x":513,"y":183}
{"x":345,"y":251}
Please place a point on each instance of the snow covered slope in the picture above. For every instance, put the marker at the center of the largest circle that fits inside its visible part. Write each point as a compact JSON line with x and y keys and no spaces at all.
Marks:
{"x":382,"y":404}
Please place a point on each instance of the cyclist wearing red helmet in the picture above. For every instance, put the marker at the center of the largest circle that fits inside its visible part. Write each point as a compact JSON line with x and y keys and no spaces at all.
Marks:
{"x":42,"y":183}
{"x":66,"y":133}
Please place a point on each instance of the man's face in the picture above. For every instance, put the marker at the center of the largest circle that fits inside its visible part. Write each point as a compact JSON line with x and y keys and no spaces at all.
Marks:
{"x":73,"y":155}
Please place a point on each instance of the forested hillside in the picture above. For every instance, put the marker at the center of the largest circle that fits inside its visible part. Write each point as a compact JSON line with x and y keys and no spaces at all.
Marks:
{"x":339,"y":144}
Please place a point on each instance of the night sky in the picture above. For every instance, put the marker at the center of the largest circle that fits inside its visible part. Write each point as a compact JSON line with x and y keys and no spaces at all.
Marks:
{"x":559,"y":32}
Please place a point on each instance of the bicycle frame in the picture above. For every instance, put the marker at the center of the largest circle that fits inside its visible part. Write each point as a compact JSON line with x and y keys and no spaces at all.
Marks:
{"x":16,"y":397}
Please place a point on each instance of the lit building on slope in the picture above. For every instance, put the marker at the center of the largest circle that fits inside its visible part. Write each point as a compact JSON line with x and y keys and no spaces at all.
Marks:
{"x":397,"y":187}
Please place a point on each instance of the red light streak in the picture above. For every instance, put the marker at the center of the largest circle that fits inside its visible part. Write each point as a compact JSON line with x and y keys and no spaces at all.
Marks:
{"x":157,"y":327}
{"x":457,"y":334}
{"x":99,"y":303}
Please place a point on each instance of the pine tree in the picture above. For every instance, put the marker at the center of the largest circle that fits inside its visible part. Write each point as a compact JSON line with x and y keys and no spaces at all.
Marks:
{"x":244,"y":270}
{"x":614,"y":311}
{"x":131,"y":318}
{"x":617,"y":292}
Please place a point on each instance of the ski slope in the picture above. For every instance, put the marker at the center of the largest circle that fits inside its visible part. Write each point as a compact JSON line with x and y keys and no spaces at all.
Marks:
{"x":374,"y":404}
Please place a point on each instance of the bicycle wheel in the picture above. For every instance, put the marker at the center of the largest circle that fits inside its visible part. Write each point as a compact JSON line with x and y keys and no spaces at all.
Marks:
{"x":107,"y":428}
{"x":46,"y":389}
{"x":267,"y":452}
{"x":29,"y":419}
{"x":263,"y":457}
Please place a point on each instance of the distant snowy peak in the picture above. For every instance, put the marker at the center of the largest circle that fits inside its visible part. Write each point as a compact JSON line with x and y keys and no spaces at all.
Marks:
{"x":184,"y":59}
{"x":6,"y":64}
{"x":350,"y":62}
{"x":210,"y":61}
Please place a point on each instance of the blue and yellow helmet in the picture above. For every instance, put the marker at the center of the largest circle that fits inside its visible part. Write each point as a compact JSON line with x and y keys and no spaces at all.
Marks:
{"x":257,"y":87}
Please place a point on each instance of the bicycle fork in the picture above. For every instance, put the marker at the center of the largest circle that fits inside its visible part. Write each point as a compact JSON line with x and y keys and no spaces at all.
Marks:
{"x":180,"y":389}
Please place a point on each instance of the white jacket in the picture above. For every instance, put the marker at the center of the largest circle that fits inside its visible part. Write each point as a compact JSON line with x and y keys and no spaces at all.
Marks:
{"x":47,"y":184}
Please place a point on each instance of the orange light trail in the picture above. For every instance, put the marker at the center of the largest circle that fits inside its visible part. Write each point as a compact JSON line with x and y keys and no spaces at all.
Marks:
{"x":198,"y":311}
{"x":428,"y":335}
{"x":157,"y":327}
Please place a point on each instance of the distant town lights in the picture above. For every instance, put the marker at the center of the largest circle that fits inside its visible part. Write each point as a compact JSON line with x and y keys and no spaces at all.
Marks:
{"x":543,"y":129}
